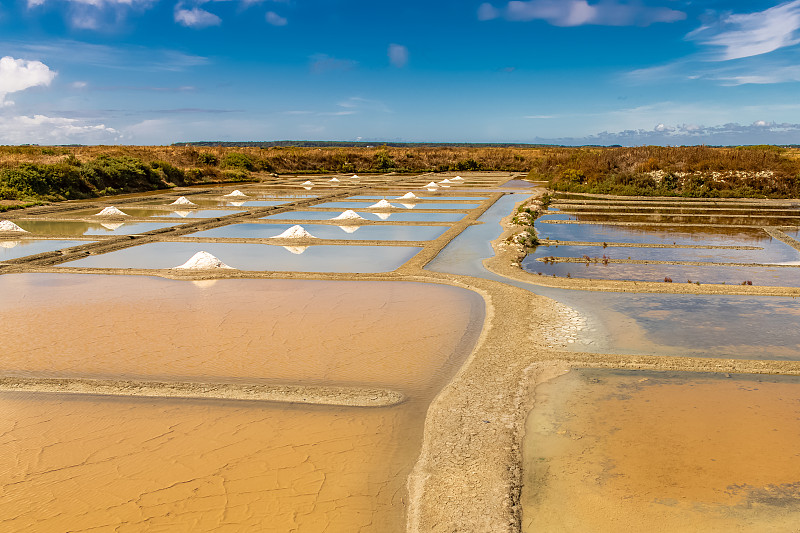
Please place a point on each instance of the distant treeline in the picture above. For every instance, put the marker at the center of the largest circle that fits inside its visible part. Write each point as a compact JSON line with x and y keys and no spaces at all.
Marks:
{"x":34,"y":174}
{"x":351,"y":144}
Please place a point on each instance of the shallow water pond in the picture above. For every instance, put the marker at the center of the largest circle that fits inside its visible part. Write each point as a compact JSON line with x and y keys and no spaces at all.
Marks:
{"x":14,"y":249}
{"x":77,"y":227}
{"x":393,"y":198}
{"x":397,"y":204}
{"x":322,"y":258}
{"x":177,"y":212}
{"x":324,"y":231}
{"x":394,"y":217}
{"x":609,"y":450}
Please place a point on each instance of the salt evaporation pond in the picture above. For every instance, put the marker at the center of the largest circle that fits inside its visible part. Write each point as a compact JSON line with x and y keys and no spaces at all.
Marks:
{"x":612,"y":450}
{"x":421,"y":198}
{"x":364,"y":206}
{"x":14,"y":249}
{"x":319,"y":258}
{"x":324,"y":231}
{"x":77,"y":227}
{"x":176,"y":211}
{"x":393,"y":216}
{"x":235,"y":201}
{"x":93,"y":462}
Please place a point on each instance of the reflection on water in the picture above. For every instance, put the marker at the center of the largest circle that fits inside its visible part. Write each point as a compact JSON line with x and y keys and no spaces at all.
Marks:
{"x":256,"y":257}
{"x":394,"y":197}
{"x":139,"y":212}
{"x":396,"y":217}
{"x":731,"y":275}
{"x":654,"y":451}
{"x":26,"y":247}
{"x":77,"y":227}
{"x":322,"y":231}
{"x":708,"y":236}
{"x":396,"y":205}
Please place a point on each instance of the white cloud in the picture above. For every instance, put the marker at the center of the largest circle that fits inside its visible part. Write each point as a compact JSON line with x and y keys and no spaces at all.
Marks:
{"x":580,"y":12}
{"x":275,"y":19}
{"x":752,"y":34}
{"x":18,"y":74}
{"x":95,"y":14}
{"x":41,"y":129}
{"x":321,"y":63}
{"x":398,"y":55}
{"x":196,"y":18}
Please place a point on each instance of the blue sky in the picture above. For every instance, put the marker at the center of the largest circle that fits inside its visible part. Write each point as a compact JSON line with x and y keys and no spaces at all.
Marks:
{"x":557,"y":71}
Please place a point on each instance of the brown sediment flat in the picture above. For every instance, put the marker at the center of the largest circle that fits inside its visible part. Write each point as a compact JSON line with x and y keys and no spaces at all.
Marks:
{"x":612,"y":451}
{"x":349,"y":396}
{"x":76,"y":463}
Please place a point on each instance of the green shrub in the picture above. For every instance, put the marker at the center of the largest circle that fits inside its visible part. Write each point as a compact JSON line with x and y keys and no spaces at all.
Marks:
{"x":238,"y":161}
{"x":207,"y":158}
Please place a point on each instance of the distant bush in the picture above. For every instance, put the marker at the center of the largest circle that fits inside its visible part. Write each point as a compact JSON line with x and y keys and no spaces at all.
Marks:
{"x":238,"y":161}
{"x":172,"y":173}
{"x":207,"y":158}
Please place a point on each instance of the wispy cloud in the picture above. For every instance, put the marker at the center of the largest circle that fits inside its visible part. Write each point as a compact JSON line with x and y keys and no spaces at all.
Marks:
{"x":195,"y":17}
{"x":275,"y":19}
{"x":759,"y":132}
{"x":321,"y":63}
{"x":43,"y":129}
{"x":581,"y":12}
{"x":398,"y":55}
{"x":18,"y":74}
{"x":103,"y":15}
{"x":751,"y":34}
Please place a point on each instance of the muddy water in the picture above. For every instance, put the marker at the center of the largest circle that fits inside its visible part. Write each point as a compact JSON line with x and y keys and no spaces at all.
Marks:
{"x":322,"y":258}
{"x":393,"y":334}
{"x":76,"y":463}
{"x":635,"y":451}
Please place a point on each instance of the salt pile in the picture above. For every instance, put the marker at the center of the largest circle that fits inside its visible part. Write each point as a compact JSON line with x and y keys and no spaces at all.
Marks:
{"x":308,"y":182}
{"x":382,"y":216}
{"x":9,"y":244}
{"x":296,"y":250}
{"x":431,"y":185}
{"x":111,"y":211}
{"x":334,"y":180}
{"x":237,"y":192}
{"x":445,"y":181}
{"x":383,"y":204}
{"x":7,"y":225}
{"x":349,"y":215}
{"x":458,"y":178}
{"x":112,"y":225}
{"x":354,"y":177}
{"x":183,"y":201}
{"x":202,"y":261}
{"x":407,"y":196}
{"x":349,"y":229}
{"x":295,"y":232}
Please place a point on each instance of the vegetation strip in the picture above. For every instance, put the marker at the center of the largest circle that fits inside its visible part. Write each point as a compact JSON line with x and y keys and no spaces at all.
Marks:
{"x":344,"y":396}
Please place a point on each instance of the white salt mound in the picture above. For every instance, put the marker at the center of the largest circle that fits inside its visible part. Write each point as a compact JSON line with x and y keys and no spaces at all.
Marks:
{"x":308,"y":182}
{"x":202,"y":261}
{"x":383,"y":204}
{"x":183,"y":201}
{"x":458,"y":178}
{"x":354,"y":177}
{"x":237,"y":192}
{"x":111,"y":211}
{"x":445,"y":181}
{"x":348,"y":215}
{"x":295,"y":232}
{"x":407,"y":196}
{"x":431,"y":185}
{"x":333,"y":179}
{"x":7,"y":225}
